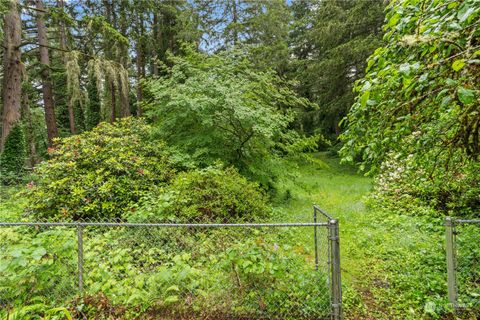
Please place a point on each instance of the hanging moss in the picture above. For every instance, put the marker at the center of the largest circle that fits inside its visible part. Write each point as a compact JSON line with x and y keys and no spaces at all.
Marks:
{"x":93,"y":105}
{"x":12,"y":159}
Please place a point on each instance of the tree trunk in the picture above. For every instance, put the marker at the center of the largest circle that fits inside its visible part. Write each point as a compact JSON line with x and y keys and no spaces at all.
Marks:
{"x":124,"y":85}
{"x":12,"y":68}
{"x":235,"y":21}
{"x":63,"y":47}
{"x":112,"y":83}
{"x":140,"y":62}
{"x":52,"y":131}
{"x":124,"y":100}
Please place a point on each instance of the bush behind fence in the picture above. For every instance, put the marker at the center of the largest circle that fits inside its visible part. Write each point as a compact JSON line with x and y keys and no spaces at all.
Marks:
{"x":176,"y":271}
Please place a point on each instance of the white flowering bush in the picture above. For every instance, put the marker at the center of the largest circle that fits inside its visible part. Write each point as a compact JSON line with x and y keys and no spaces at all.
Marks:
{"x":411,"y":185}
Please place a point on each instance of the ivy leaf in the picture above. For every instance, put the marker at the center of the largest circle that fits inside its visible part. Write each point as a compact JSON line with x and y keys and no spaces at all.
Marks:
{"x":457,"y":65}
{"x":466,"y":96}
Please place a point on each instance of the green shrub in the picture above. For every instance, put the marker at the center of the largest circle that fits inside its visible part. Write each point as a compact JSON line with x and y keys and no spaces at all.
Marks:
{"x":409,"y":187}
{"x":219,"y":108}
{"x":211,"y":194}
{"x":99,"y":174}
{"x":36,"y":266}
{"x":12,"y":159}
{"x":272,"y":279}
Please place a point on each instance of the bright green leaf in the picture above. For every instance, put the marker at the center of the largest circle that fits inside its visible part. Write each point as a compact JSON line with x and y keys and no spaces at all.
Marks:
{"x":466,"y":96}
{"x":457,"y":65}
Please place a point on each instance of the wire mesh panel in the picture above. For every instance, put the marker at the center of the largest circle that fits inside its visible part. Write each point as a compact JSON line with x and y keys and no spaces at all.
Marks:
{"x":37,"y":263}
{"x":466,"y":255}
{"x":171,"y":271}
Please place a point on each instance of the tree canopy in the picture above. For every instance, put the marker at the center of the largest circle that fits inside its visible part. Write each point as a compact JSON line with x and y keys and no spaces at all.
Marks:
{"x":218,"y":108}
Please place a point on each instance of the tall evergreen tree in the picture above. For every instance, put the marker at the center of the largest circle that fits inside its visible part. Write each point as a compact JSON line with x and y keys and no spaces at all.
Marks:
{"x":12,"y":71}
{"x":331,"y":41}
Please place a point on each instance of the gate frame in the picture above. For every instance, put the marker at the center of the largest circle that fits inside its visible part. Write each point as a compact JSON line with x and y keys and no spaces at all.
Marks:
{"x":333,"y":261}
{"x":451,"y":255}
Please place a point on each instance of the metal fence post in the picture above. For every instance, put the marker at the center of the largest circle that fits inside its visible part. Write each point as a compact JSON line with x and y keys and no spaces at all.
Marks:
{"x":451,"y":263}
{"x":336,"y":284}
{"x":80,"y":257}
{"x":315,"y":238}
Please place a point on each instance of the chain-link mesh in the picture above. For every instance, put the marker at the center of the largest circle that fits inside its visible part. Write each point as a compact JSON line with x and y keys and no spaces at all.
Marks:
{"x":467,"y":265}
{"x":37,"y":263}
{"x":169,"y":271}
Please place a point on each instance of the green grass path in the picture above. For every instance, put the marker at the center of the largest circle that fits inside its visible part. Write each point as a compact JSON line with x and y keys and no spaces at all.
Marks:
{"x":339,"y":190}
{"x":387,"y":267}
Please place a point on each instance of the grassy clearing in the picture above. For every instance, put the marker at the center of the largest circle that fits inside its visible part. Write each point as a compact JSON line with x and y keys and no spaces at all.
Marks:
{"x":392,"y":264}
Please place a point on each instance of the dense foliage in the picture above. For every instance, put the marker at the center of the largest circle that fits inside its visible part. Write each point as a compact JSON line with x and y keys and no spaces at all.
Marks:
{"x":12,"y":159}
{"x":99,"y":174}
{"x":320,"y":46}
{"x":208,"y":195}
{"x":171,"y":274}
{"x":209,"y":106}
{"x":331,"y":41}
{"x":417,"y":107}
{"x":218,"y":108}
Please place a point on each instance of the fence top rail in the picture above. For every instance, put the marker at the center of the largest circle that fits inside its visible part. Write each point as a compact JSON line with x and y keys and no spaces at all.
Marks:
{"x":469,"y":221}
{"x":163,"y":225}
{"x":316,"y":208}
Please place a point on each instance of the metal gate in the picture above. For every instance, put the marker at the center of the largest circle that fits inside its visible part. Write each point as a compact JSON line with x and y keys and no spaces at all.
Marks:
{"x":463,"y":264}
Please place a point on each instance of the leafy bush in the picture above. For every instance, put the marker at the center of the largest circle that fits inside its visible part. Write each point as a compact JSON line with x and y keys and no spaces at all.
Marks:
{"x":418,"y":104}
{"x":273,"y":279}
{"x":99,"y":174}
{"x":211,"y":194}
{"x":225,"y":273}
{"x":37,"y":267}
{"x":406,"y":185}
{"x":12,"y":159}
{"x":218,"y":108}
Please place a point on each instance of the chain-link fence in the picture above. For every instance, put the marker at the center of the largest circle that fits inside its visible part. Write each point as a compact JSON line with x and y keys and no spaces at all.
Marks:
{"x":173,"y":271}
{"x":463,"y":264}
